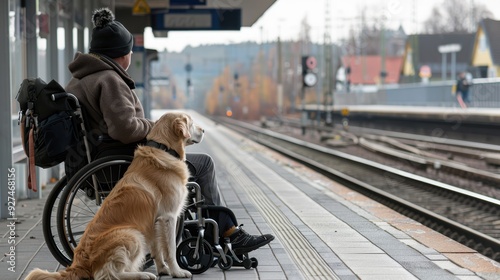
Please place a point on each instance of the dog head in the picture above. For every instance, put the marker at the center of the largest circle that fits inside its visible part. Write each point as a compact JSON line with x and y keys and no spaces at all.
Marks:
{"x":176,"y":130}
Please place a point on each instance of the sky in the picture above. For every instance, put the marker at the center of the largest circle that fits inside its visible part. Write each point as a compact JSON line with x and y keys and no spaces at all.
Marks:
{"x":284,"y":18}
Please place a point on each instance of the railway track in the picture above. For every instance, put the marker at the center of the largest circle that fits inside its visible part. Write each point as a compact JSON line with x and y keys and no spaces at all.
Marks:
{"x":468,"y":165}
{"x":469,"y":218}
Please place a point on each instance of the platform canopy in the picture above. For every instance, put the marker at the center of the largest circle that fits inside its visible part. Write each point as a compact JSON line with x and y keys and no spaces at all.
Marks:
{"x":175,"y":15}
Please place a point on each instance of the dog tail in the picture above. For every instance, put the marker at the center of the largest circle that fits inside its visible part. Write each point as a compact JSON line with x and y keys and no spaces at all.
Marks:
{"x":39,"y":274}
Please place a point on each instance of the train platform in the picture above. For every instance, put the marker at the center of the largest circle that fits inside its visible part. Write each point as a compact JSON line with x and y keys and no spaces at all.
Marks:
{"x":471,"y":124}
{"x":323,"y":230}
{"x":470,"y":114}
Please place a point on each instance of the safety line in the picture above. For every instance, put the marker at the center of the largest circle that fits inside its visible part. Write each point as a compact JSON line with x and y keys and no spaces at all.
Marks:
{"x":312,"y":265}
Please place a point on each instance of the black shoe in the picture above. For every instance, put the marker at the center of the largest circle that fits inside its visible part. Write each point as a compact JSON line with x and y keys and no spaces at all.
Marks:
{"x":242,"y":242}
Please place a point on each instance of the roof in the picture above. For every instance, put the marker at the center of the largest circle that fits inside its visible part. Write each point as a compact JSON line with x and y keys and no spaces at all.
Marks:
{"x":366,"y":69}
{"x":427,"y":45}
{"x":492,"y":31}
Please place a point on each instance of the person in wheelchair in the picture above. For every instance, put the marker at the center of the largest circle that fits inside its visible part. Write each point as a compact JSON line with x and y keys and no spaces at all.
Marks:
{"x":113,"y":111}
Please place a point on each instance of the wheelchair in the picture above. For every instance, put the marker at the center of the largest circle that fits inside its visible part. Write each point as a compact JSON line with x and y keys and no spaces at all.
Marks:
{"x":72,"y":204}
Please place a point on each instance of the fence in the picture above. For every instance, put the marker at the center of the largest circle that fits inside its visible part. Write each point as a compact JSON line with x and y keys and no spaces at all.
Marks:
{"x":483,"y":93}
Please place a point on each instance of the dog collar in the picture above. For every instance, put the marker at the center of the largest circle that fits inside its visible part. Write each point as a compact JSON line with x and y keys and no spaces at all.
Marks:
{"x":152,"y":143}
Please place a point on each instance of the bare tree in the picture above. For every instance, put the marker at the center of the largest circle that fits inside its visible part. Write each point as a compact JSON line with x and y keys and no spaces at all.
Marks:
{"x":368,"y":36}
{"x":434,"y":24}
{"x":305,"y":35}
{"x":456,"y":16}
{"x":364,"y":38}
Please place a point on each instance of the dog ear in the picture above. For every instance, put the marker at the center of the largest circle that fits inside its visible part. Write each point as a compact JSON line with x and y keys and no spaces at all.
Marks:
{"x":181,"y":127}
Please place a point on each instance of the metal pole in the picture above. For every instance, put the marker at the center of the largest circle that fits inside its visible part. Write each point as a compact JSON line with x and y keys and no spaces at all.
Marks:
{"x":280,"y":80}
{"x":443,"y":67}
{"x":31,"y":40}
{"x":303,"y":117}
{"x":69,"y":51}
{"x":30,"y":60}
{"x":52,"y":48}
{"x":382,"y":52}
{"x":5,"y":114}
{"x":80,"y":35}
{"x":453,"y":65}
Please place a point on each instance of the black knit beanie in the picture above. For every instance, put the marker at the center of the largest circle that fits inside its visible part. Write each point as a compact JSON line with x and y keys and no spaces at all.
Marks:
{"x":109,"y":37}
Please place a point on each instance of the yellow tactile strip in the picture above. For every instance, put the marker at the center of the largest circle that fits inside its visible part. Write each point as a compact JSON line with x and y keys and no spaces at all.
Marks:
{"x":305,"y":256}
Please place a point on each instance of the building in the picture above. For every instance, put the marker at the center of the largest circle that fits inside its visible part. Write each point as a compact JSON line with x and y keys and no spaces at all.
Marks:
{"x":422,"y":52}
{"x":486,"y":51}
{"x":367,"y":70}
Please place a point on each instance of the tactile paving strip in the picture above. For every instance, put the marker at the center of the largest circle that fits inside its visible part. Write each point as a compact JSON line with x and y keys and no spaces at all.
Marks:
{"x":305,"y":256}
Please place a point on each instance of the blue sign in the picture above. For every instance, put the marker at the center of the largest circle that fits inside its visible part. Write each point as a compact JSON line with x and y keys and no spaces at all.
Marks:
{"x":188,"y":2}
{"x":196,"y":19}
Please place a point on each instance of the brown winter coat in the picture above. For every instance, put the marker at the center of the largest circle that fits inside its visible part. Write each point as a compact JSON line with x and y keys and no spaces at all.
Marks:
{"x":105,"y":90}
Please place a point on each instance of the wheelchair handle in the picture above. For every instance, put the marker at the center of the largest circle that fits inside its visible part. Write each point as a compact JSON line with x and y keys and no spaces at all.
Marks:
{"x":56,"y":96}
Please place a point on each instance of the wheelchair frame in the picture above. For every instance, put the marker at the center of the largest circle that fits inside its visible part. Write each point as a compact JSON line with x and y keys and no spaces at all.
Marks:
{"x":194,"y":253}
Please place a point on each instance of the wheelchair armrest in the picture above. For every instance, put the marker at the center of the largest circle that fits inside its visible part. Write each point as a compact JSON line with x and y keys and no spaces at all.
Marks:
{"x":195,"y":192}
{"x":193,"y":187}
{"x":104,"y":138}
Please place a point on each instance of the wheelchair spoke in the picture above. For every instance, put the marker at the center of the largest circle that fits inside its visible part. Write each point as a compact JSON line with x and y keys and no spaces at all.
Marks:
{"x":85,"y":192}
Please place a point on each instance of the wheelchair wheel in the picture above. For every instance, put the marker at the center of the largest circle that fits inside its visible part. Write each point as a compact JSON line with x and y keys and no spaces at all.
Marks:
{"x":225,"y":265}
{"x":49,"y":224}
{"x":83,"y":196}
{"x":195,"y":260}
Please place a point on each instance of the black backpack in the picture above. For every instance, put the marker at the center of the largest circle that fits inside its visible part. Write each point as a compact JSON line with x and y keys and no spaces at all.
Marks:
{"x":48,"y":114}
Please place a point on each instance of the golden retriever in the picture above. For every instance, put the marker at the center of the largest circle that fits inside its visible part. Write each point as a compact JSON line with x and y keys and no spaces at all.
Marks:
{"x":141,"y":211}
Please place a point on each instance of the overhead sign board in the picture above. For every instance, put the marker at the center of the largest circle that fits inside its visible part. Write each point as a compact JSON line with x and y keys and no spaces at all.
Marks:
{"x":449,"y":48}
{"x":188,"y":2}
{"x":196,"y":19}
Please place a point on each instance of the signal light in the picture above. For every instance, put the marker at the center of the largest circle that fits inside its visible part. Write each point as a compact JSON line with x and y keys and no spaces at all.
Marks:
{"x":309,"y":77}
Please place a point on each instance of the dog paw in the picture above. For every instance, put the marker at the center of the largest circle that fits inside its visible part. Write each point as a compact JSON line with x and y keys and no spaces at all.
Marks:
{"x":181,"y":273}
{"x":163,"y":271}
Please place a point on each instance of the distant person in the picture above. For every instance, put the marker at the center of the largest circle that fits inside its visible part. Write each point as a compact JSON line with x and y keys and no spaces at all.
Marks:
{"x":464,"y":82}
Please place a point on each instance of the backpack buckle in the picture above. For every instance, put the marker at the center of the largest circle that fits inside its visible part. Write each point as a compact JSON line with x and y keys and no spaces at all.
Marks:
{"x":31,"y":120}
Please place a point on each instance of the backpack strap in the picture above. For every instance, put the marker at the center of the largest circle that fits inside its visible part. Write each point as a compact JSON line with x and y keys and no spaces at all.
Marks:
{"x":31,"y":164}
{"x":27,"y":121}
